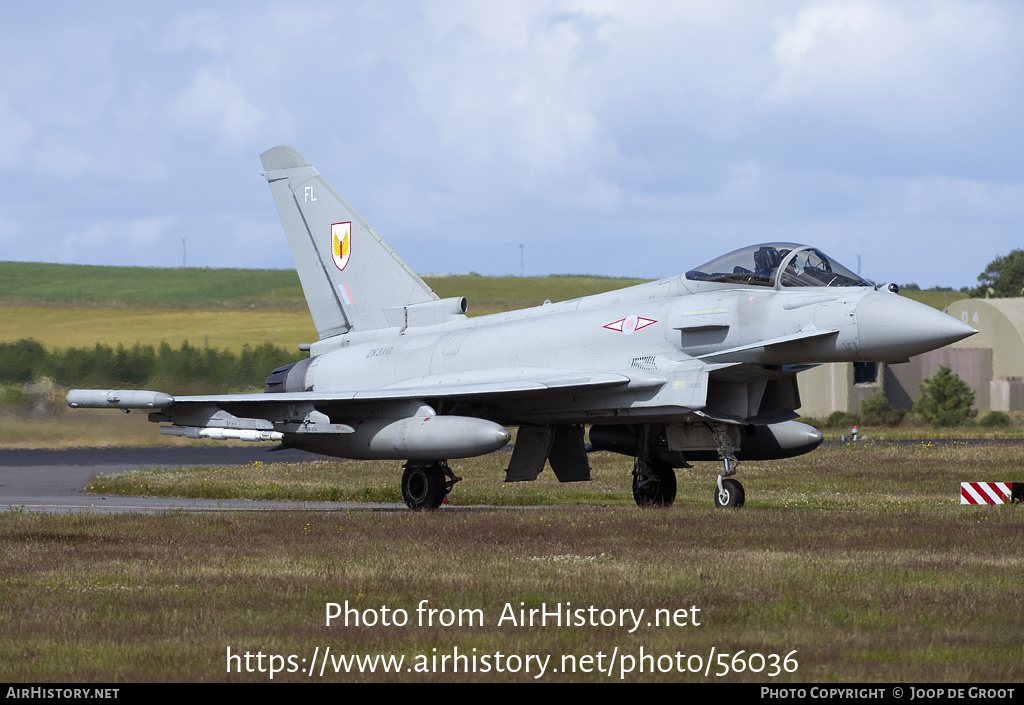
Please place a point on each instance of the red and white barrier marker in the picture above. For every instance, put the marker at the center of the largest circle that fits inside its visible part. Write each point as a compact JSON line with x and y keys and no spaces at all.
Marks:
{"x":986,"y":492}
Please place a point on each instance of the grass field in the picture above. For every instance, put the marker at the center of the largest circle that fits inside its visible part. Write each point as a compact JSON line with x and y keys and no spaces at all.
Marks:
{"x":73,"y":305}
{"x":856,"y":564}
{"x":33,"y":283}
{"x":936,"y":299}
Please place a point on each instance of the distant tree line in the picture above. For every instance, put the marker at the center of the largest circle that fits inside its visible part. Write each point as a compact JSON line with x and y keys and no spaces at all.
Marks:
{"x":1002,"y":278}
{"x":177,"y":370}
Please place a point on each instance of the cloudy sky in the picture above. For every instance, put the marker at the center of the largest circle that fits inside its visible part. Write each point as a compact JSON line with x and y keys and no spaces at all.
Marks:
{"x":617,"y":138}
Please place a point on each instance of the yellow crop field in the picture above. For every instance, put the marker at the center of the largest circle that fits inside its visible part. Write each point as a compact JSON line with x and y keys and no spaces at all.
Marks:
{"x":76,"y":306}
{"x":68,"y":326}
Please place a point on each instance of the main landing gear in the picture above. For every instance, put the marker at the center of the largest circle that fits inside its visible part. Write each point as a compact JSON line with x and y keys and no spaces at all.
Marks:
{"x":654,"y":480}
{"x":426,"y":486}
{"x":654,"y":483}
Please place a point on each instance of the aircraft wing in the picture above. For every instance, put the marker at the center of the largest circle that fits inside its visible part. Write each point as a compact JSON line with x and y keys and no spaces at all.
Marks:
{"x":394,"y":418}
{"x":454,"y":386}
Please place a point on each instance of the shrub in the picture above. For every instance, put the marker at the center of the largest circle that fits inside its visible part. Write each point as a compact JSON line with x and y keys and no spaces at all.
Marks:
{"x":945,"y":399}
{"x":20,"y":361}
{"x":840,"y":419}
{"x":996,"y":419}
{"x":814,"y":421}
{"x":877,"y":411}
{"x":13,"y":396}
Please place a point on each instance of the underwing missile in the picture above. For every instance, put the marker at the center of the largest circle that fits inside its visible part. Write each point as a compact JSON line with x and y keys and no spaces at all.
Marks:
{"x":222,"y":434}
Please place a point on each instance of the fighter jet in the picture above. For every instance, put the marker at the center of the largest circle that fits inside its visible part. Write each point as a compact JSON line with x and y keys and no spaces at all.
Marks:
{"x":700,"y":366}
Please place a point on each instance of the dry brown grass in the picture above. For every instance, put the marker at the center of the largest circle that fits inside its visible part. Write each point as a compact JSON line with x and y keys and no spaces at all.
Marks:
{"x":857,"y":559}
{"x":861,"y":596}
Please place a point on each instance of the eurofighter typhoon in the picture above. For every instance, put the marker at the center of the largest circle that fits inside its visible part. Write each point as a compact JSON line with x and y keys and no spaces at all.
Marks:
{"x":700,"y":366}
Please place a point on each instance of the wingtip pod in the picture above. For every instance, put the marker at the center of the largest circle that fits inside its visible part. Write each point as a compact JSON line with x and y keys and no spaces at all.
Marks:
{"x":283,"y":157}
{"x":118,"y":399}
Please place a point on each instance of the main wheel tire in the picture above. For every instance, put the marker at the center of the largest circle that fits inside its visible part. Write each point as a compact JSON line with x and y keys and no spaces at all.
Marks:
{"x":667,"y":475}
{"x":423,"y":487}
{"x":658,"y":491}
{"x":731,"y":496}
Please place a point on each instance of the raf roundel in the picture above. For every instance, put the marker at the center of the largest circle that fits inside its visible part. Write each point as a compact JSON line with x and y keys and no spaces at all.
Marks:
{"x":631,"y":324}
{"x":341,"y":244}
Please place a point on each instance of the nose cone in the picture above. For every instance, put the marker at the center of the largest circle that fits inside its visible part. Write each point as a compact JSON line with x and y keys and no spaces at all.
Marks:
{"x":892,"y":327}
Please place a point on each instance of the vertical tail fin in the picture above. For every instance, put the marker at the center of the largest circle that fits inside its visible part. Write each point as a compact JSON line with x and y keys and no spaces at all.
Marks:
{"x":350,"y":276}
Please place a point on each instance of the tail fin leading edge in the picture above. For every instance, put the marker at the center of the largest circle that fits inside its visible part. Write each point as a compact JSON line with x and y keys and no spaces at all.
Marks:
{"x":349,"y":275}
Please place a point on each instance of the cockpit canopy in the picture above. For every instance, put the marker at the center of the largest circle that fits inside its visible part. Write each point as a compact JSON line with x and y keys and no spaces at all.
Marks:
{"x":777,"y":263}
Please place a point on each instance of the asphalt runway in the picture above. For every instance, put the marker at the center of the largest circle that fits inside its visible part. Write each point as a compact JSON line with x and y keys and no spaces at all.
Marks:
{"x":51,"y":481}
{"x":39,"y":480}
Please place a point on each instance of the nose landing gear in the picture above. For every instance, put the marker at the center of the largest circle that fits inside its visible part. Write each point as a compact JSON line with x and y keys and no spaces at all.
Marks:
{"x":728,"y":493}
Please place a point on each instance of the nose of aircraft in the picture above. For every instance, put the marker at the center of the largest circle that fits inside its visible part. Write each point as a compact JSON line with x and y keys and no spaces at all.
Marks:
{"x":892,"y":327}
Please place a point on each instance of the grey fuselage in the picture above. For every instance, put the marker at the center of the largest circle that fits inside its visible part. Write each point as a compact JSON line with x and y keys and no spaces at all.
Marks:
{"x":694,"y":330}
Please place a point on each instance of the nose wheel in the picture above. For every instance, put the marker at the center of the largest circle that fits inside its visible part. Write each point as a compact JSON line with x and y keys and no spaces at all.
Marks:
{"x":729,"y":493}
